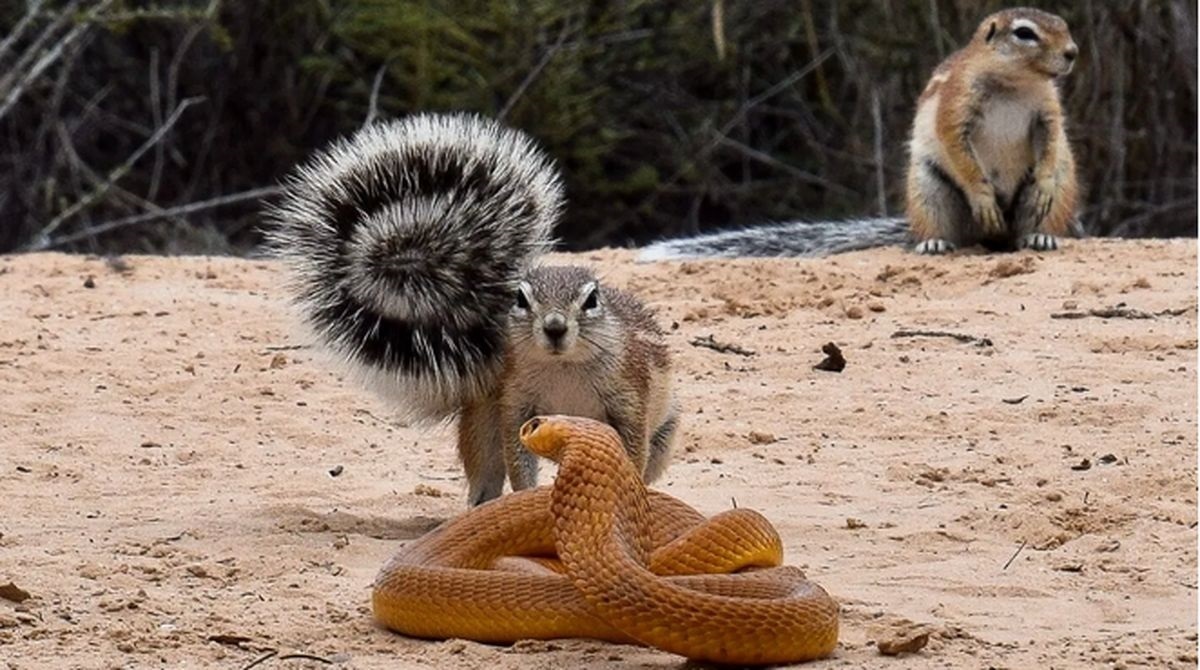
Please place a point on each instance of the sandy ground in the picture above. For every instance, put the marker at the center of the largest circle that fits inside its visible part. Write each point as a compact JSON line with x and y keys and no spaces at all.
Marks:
{"x":167,"y":466}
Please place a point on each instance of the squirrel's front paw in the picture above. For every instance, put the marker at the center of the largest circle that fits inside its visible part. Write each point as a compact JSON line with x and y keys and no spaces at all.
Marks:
{"x":1039,"y":242}
{"x":986,"y":210}
{"x":1043,"y":197}
{"x":934,"y":247}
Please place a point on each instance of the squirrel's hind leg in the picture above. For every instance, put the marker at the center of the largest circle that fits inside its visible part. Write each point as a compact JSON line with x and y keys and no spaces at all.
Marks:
{"x":479,"y":448}
{"x":521,"y":464}
{"x":939,"y":217}
{"x":660,"y":446}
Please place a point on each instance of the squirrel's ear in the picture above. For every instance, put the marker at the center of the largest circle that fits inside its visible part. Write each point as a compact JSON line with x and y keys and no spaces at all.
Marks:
{"x":991,"y":32}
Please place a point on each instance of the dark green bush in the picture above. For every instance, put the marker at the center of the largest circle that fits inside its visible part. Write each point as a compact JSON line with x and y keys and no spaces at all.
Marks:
{"x":666,"y":117}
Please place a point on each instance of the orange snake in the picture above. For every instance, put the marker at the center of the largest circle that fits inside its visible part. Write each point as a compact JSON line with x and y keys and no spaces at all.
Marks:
{"x":602,"y":557}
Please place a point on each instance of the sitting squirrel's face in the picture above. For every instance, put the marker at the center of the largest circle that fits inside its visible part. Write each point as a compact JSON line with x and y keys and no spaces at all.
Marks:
{"x":1030,"y":40}
{"x":560,"y":312}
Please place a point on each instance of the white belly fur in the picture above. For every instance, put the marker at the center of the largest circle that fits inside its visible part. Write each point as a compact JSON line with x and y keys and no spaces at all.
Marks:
{"x":1002,"y":142}
{"x":560,"y":389}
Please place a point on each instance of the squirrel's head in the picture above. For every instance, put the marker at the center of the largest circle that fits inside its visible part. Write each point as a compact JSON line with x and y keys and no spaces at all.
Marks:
{"x":1029,"y":41}
{"x":562,"y":312}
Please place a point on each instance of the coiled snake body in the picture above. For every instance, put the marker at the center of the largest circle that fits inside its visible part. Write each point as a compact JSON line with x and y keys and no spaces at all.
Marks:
{"x":605,"y":558}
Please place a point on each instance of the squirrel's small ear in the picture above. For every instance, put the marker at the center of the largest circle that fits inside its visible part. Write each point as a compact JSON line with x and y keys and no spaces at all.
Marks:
{"x":991,"y":32}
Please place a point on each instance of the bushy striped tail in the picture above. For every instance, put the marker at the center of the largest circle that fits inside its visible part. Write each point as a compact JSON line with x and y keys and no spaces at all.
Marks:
{"x":797,"y":238}
{"x":404,"y":245}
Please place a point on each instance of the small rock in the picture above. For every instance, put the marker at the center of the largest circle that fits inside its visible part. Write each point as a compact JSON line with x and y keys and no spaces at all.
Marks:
{"x":757,"y":437}
{"x":834,"y":360}
{"x":14,"y":593}
{"x":534,"y":646}
{"x":335,"y":471}
{"x":903,"y":644}
{"x":854,"y":524}
{"x":91,"y":571}
{"x":1109,"y":547}
{"x":854,"y":312}
{"x":278,"y":361}
{"x":90,"y":282}
{"x":427,"y":490}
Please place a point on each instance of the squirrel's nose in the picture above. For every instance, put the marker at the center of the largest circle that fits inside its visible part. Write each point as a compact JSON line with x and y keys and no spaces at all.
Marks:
{"x":555,"y":326}
{"x":1071,"y":52}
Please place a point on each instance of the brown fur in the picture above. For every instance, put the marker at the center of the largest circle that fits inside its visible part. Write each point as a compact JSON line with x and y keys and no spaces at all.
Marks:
{"x":970,"y":117}
{"x":616,"y":369}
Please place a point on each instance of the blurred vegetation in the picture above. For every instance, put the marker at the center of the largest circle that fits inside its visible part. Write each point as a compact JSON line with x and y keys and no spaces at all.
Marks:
{"x":159,"y":126}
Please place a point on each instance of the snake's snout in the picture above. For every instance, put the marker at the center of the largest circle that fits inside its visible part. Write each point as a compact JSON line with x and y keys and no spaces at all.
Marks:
{"x":530,"y":427}
{"x":540,"y":436}
{"x":547,"y":435}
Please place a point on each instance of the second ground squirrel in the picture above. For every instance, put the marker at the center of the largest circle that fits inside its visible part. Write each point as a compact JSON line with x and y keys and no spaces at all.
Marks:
{"x":412,"y":250}
{"x":989,"y":159}
{"x":990,"y":162}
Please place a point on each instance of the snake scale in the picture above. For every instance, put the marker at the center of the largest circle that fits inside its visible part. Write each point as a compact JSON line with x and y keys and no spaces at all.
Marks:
{"x":597,"y":555}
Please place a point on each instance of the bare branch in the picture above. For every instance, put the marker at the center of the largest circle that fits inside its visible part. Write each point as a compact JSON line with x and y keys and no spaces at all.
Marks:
{"x":117,"y":173}
{"x":774,"y":90}
{"x":373,"y":105}
{"x":182,"y":210}
{"x":880,"y":183}
{"x":19,"y":30}
{"x":30,"y":52}
{"x":796,"y":172}
{"x":537,"y":70}
{"x":48,"y":58}
{"x":718,"y":28}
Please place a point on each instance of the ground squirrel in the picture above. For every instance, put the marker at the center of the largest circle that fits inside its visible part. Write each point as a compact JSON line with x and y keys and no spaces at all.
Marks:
{"x":575,"y":347}
{"x":989,"y":158}
{"x":411,"y":250}
{"x":990,"y":162}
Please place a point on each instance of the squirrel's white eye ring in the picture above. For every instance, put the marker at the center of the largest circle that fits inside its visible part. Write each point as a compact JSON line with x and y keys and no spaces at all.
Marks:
{"x":592,"y":301}
{"x":522,"y":302}
{"x":1025,"y":33}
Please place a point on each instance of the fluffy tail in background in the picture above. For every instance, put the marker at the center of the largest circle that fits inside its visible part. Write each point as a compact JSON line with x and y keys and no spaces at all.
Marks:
{"x":797,"y":238}
{"x":405,"y":244}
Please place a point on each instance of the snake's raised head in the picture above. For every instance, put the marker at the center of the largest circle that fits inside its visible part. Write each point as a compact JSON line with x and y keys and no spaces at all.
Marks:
{"x":547,"y":436}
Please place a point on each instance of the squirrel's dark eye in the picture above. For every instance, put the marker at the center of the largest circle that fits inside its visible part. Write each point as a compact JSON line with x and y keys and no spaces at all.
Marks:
{"x":1024,"y":33}
{"x":522,"y":301}
{"x":593,"y":300}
